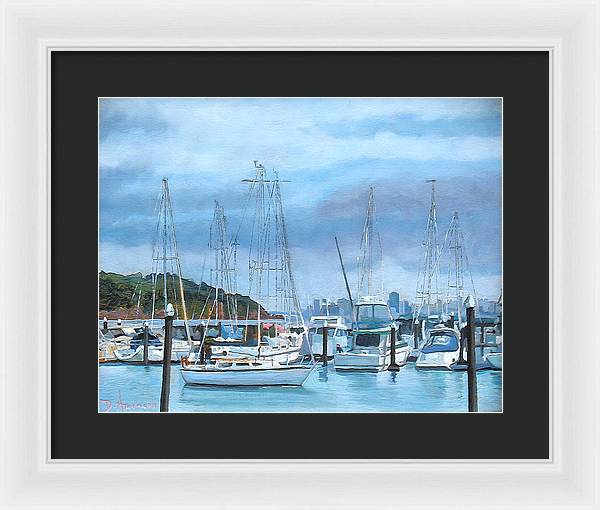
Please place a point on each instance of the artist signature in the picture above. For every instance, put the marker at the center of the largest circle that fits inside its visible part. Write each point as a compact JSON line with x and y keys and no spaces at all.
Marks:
{"x":106,"y":406}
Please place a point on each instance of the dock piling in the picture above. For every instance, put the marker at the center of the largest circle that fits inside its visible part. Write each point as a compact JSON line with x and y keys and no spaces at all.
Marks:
{"x":393,"y":365}
{"x":471,"y":361}
{"x":145,"y":342}
{"x":166,"y":372}
{"x":325,"y":335}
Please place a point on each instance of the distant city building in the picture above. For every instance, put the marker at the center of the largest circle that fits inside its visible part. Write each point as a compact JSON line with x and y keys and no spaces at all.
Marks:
{"x":404,"y":307}
{"x":316,"y":306}
{"x":394,"y":301}
{"x":344,"y":309}
{"x":323,"y":306}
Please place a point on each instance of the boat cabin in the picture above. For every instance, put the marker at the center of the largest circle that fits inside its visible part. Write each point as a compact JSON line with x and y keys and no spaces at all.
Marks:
{"x":441,"y":339}
{"x":372,"y":315}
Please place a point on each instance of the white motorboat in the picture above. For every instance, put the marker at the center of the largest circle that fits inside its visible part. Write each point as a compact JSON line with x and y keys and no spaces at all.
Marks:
{"x":369,"y":343}
{"x":441,"y":350}
{"x":246,"y":372}
{"x":337,"y":335}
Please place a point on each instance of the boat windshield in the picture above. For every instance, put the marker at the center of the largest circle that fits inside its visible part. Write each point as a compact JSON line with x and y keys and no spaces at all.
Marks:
{"x":372,"y":316}
{"x":444,"y":342}
{"x":366,"y":312}
{"x":367,"y":340}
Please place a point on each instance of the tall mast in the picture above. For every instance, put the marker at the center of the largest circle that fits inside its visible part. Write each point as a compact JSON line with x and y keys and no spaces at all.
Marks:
{"x":427,"y":284}
{"x":166,"y":232}
{"x":221,"y":273}
{"x":269,"y":261}
{"x":365,"y":259}
{"x":458,"y":262}
{"x":164,"y":239}
{"x":455,"y":247}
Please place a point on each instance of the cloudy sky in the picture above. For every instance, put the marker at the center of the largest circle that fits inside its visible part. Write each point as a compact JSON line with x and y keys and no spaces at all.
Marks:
{"x":331,"y":150}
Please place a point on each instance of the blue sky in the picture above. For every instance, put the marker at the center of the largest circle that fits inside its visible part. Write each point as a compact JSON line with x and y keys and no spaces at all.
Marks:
{"x":331,"y":150}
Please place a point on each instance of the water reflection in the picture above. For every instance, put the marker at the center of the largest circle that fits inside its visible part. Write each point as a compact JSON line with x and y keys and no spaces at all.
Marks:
{"x":123,"y":388}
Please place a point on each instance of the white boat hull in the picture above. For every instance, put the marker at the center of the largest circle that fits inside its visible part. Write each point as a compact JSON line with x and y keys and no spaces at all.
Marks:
{"x":251,"y":376}
{"x":437,"y":360}
{"x":369,"y":361}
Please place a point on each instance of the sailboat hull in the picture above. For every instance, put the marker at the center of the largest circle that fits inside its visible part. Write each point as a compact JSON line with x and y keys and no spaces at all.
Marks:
{"x":251,"y":376}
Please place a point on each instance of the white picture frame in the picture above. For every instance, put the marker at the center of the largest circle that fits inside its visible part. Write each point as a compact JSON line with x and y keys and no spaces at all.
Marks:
{"x":568,"y":29}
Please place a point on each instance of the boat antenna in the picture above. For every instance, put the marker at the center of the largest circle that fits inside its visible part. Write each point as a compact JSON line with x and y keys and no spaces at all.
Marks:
{"x":344,"y":272}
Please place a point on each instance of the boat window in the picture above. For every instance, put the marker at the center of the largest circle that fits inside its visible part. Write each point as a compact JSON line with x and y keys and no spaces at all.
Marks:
{"x":441,"y":343}
{"x":232,"y":331}
{"x":367,"y":340}
{"x":365,"y":312}
{"x":381,"y":312}
{"x":442,"y":340}
{"x":373,"y":312}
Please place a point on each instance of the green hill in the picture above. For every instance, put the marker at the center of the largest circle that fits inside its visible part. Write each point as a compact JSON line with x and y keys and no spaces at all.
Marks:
{"x":131,"y":296}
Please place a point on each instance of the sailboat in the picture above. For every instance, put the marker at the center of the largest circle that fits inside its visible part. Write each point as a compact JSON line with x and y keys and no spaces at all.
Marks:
{"x":165,"y":256}
{"x":370,"y":341}
{"x":427,"y":313}
{"x":443,"y":348}
{"x":228,"y":337}
{"x":271,"y":283}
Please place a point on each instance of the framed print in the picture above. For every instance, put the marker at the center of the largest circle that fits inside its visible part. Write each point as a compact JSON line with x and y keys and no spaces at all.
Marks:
{"x":303,"y":247}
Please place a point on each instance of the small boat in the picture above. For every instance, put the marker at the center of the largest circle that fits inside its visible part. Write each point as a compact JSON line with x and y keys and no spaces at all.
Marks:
{"x":246,"y":372}
{"x":128,"y":354}
{"x":441,"y":350}
{"x":337,"y":337}
{"x":495,"y":360}
{"x":369,"y":343}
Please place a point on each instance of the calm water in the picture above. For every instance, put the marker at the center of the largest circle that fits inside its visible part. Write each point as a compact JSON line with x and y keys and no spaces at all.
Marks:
{"x":137,"y":389}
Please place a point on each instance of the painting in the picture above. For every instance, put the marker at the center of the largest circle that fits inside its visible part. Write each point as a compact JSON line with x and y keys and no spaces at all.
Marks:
{"x":300,"y":255}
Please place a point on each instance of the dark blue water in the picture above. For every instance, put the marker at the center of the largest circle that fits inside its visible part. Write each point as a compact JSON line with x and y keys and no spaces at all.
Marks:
{"x":137,"y":389}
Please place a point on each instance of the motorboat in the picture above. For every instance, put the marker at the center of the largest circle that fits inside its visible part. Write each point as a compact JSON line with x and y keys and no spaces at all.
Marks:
{"x":495,"y":360}
{"x":369,"y":346}
{"x":441,"y":350}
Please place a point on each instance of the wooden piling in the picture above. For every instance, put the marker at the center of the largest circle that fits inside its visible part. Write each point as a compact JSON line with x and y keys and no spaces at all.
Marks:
{"x":393,"y":365}
{"x":145,"y":343}
{"x":325,"y":335}
{"x":471,"y":361}
{"x":415,"y":326}
{"x":166,"y":373}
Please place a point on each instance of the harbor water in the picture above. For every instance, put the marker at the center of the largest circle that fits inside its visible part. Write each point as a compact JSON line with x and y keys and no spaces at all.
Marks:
{"x":136,"y":388}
